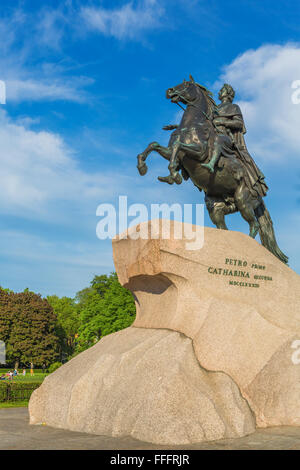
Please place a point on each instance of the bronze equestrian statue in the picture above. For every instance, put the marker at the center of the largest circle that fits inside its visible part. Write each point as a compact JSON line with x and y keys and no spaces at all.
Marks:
{"x":208,"y":147}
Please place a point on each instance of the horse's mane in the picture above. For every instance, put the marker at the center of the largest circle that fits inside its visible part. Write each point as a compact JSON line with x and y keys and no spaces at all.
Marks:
{"x":212,"y":106}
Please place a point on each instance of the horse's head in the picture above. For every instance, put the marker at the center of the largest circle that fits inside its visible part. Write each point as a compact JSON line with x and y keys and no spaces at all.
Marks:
{"x":190,"y":92}
{"x":186,"y":92}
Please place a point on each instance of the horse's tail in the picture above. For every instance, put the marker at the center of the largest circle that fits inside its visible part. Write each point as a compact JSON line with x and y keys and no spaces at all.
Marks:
{"x":267,"y":234}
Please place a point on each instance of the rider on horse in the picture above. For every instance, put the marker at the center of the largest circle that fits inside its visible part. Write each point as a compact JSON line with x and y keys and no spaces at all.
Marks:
{"x":206,"y":134}
{"x":229,"y":122}
{"x":229,"y":140}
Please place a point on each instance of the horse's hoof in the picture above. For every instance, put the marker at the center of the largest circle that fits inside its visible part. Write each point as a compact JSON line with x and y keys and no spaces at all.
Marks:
{"x":178,"y":178}
{"x":166,"y":179}
{"x":142,"y":169}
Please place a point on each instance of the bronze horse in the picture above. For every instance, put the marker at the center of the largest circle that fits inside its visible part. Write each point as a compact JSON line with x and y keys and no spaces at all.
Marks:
{"x":226,"y":190}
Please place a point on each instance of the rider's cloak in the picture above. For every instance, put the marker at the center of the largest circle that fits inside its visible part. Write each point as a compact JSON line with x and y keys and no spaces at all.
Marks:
{"x":254,"y":177}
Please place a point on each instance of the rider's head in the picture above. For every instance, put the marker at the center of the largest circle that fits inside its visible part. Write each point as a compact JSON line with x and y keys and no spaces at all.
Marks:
{"x":226,"y":92}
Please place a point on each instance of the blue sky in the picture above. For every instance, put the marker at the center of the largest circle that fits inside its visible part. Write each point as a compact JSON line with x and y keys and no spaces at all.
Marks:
{"x":86,"y":85}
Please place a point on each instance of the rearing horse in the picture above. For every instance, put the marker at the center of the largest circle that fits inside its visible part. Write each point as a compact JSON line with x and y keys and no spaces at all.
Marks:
{"x":226,"y":190}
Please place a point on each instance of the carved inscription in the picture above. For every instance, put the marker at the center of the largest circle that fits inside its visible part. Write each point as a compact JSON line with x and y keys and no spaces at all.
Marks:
{"x":247,"y":274}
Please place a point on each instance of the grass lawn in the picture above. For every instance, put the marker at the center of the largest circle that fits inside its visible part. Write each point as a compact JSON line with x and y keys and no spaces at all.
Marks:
{"x":14,"y":404}
{"x":37,"y":377}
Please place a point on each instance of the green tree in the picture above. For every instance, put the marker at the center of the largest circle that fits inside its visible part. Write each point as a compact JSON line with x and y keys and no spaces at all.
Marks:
{"x":27,"y":326}
{"x":5,"y":290}
{"x":105,"y":307}
{"x":67,"y":325}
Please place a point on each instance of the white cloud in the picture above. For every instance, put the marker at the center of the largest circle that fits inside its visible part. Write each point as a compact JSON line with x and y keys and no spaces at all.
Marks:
{"x":42,"y":181}
{"x":24,"y":40}
{"x":263,"y":78}
{"x":41,"y":177}
{"x":51,"y":26}
{"x":126,"y":22}
{"x":38,"y":167}
{"x":46,"y":89}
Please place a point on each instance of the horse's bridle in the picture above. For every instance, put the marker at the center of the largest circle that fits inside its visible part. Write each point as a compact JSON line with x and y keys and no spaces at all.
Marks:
{"x":182,"y":97}
{"x":188,"y":102}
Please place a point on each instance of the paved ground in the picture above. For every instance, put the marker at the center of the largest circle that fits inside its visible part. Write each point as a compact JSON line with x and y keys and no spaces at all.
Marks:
{"x":16,"y":433}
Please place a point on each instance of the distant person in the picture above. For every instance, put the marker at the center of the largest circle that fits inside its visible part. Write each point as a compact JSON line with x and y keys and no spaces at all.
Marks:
{"x":31,"y":369}
{"x":44,"y":368}
{"x":3,"y":377}
{"x":10,"y":375}
{"x":24,"y":372}
{"x":15,"y":373}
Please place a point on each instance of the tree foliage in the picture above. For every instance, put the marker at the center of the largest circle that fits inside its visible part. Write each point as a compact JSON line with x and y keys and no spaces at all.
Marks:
{"x":27,"y":327}
{"x":47,"y":330}
{"x":67,"y":325}
{"x":105,"y":307}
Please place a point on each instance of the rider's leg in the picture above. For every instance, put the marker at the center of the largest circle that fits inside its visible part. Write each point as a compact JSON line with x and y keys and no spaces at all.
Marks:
{"x":245,"y":204}
{"x":215,"y":157}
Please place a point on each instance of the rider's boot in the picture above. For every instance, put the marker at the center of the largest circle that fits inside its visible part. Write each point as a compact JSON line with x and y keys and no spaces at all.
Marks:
{"x":211,"y":165}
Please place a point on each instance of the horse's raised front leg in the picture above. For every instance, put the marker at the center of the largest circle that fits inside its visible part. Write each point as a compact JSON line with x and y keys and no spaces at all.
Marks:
{"x":188,"y":149}
{"x":174,"y":176}
{"x":165,"y":152}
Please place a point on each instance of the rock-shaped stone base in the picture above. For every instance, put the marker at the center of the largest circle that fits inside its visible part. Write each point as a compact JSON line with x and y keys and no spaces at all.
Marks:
{"x":238,"y":303}
{"x":144,"y":383}
{"x":212,"y":343}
